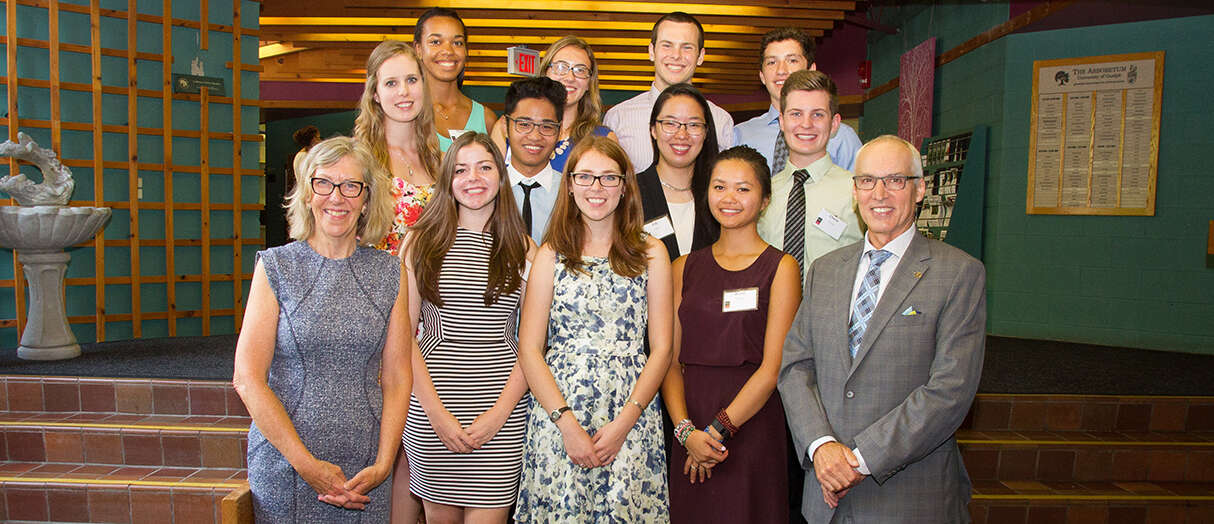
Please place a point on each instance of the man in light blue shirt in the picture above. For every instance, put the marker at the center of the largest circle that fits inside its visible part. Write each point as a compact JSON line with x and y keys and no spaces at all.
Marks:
{"x":783,"y":52}
{"x":534,"y":107}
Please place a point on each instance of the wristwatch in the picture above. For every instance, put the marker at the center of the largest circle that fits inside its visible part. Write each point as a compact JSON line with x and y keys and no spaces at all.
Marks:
{"x":556,"y":413}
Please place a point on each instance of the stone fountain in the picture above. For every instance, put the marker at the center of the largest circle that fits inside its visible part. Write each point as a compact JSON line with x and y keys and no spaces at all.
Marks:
{"x":39,"y":228}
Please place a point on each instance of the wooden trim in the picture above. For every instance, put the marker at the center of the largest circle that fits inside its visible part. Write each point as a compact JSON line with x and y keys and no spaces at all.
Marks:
{"x":309,"y":104}
{"x":204,"y":184}
{"x":115,"y":90}
{"x":142,"y":17}
{"x":153,"y":279}
{"x":1028,"y":17}
{"x":84,"y":50}
{"x":204,"y":25}
{"x":10,"y":56}
{"x":134,"y":191}
{"x":166,"y":93}
{"x":237,"y":165}
{"x":98,"y":165}
{"x":195,"y":206}
{"x":56,"y":111}
{"x":122,"y":129}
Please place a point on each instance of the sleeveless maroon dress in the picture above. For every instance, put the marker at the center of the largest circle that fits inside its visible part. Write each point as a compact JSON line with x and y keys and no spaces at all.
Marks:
{"x":720,"y":351}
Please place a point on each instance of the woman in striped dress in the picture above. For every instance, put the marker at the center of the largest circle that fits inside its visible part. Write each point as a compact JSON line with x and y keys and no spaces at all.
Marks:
{"x":465,"y":429}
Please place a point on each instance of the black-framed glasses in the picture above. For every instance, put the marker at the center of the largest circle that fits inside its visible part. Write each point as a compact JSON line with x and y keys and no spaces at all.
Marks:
{"x":560,"y":67}
{"x":587,"y":179}
{"x":670,"y":127}
{"x":349,"y":189}
{"x":524,"y":126}
{"x":892,"y":182}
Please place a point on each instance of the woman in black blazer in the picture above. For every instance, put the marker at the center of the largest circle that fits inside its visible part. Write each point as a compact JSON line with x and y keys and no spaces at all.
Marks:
{"x":674,"y":189}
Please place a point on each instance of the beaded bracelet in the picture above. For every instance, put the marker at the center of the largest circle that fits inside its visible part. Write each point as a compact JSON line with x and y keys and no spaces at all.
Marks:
{"x":683,"y":430}
{"x":724,"y":418}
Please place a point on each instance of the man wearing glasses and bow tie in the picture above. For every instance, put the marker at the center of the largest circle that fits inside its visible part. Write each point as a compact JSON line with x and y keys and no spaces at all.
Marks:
{"x":533,"y":125}
{"x":883,"y":360}
{"x":811,"y":211}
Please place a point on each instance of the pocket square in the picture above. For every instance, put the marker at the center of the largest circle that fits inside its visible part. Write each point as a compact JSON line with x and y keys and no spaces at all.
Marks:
{"x":910,"y":311}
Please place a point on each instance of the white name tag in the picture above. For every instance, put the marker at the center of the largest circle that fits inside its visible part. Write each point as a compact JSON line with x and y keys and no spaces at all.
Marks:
{"x":455,"y":133}
{"x":830,"y":224}
{"x":660,"y":227}
{"x":746,"y":299}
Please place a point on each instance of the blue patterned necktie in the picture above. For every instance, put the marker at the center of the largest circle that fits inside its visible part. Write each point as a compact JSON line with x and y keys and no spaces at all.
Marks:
{"x":866,"y":299}
{"x":779,"y":155}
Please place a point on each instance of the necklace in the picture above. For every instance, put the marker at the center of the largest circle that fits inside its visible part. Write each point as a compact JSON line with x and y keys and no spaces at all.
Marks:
{"x":672,"y":186}
{"x":408,"y":164}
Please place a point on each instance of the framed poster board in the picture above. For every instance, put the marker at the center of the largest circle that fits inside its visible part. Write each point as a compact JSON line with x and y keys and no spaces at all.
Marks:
{"x":1094,"y":135}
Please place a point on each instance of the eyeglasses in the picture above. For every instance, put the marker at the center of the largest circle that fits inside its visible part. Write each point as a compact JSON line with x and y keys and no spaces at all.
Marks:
{"x":562,"y":67}
{"x":671,"y":127}
{"x":348,"y":189}
{"x":546,"y":127}
{"x":587,"y":179}
{"x":892,"y":182}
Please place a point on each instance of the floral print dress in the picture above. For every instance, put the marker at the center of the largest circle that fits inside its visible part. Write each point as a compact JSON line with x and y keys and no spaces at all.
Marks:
{"x":409,"y":201}
{"x":596,"y":338}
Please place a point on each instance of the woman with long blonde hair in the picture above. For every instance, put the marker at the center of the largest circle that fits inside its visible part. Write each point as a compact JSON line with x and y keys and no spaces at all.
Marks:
{"x":396,"y":122}
{"x":571,"y":62}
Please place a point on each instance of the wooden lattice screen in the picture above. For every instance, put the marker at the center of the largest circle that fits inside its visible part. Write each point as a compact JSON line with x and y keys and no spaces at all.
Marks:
{"x":94,"y":81}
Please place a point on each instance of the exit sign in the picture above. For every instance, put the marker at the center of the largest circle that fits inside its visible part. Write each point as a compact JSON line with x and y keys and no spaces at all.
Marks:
{"x":522,"y":61}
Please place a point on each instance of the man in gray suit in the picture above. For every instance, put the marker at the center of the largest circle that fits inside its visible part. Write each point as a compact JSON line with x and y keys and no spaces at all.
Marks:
{"x":883,"y":360}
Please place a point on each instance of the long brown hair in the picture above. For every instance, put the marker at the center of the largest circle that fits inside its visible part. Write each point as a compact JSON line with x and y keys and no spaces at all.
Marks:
{"x":434,"y":233}
{"x":590,"y":108}
{"x":369,"y":125}
{"x":567,"y":230}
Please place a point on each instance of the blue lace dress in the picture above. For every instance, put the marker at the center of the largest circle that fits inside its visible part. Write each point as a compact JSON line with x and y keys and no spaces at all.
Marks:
{"x":596,"y":339}
{"x":332,"y":323}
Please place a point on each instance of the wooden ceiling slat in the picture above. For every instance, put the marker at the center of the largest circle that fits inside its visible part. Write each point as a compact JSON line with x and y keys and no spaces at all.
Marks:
{"x":350,"y":23}
{"x":660,"y":8}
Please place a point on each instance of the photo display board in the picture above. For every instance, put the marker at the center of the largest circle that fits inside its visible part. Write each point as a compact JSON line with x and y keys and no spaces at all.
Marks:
{"x":1094,"y":136}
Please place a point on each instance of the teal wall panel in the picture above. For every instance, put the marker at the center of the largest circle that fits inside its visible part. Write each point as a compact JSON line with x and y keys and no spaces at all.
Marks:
{"x":1121,"y":281}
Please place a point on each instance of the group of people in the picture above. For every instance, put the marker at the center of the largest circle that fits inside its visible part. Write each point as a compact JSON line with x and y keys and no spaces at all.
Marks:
{"x":521,"y":301}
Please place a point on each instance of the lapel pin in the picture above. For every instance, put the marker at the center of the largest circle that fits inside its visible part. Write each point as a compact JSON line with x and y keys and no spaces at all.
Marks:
{"x":918,"y":274}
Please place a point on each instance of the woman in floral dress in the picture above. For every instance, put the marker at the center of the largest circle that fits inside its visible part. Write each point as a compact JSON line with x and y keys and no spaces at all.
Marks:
{"x":396,"y":121}
{"x":594,"y":449}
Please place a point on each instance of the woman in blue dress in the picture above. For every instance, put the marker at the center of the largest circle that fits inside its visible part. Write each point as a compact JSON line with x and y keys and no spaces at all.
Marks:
{"x":322,"y":362}
{"x":594,"y":450}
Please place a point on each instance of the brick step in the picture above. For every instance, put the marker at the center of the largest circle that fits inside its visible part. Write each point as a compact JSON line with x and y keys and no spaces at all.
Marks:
{"x":1033,"y":502}
{"x":135,"y":396}
{"x":63,"y":493}
{"x":996,"y":412}
{"x":1088,"y":456}
{"x":124,"y":440}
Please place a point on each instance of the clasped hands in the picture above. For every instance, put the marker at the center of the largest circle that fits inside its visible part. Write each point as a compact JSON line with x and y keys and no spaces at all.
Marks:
{"x":704,"y":450}
{"x":332,"y":487}
{"x":460,"y":439}
{"x":836,"y":468}
{"x":601,"y":449}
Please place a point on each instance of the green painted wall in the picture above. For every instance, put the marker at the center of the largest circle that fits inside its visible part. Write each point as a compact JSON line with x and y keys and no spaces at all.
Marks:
{"x":1120,"y":281}
{"x":75,"y":67}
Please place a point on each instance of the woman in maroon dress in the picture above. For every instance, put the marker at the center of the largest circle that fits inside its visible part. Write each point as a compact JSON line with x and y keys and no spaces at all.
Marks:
{"x":735,"y":300}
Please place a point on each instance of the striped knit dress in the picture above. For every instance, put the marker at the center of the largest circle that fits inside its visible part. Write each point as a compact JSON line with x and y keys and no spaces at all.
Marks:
{"x":469,"y":349}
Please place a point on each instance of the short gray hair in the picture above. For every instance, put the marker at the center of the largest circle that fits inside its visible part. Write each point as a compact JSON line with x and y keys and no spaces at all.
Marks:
{"x":916,"y":160}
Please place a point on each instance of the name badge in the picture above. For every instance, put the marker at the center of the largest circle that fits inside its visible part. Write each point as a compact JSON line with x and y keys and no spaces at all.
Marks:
{"x":746,"y":299}
{"x":830,"y":224}
{"x":660,"y":227}
{"x":455,"y":133}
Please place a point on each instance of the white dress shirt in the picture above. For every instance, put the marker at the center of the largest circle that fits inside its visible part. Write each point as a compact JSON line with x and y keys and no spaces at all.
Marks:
{"x":897,"y":248}
{"x":630,"y":121}
{"x":542,"y":198}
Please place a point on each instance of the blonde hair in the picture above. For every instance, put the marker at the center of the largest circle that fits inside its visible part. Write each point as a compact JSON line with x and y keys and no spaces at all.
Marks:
{"x":590,"y":107}
{"x":369,"y":125}
{"x":374,"y":222}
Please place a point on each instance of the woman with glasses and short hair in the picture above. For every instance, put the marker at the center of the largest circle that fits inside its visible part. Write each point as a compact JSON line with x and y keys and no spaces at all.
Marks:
{"x":571,"y":62}
{"x":674,"y":189}
{"x":598,"y":290}
{"x":322,"y":362}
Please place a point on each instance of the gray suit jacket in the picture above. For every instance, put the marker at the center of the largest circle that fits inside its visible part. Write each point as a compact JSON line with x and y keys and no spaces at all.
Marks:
{"x":906,"y":392}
